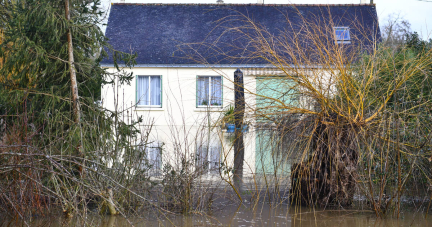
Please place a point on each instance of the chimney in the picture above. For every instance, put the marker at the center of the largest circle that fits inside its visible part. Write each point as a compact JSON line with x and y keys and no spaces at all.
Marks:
{"x":260,"y":2}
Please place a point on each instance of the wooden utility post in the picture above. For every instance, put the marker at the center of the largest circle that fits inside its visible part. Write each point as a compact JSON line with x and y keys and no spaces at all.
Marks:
{"x":74,"y":86}
{"x":239,"y":109}
{"x":74,"y":89}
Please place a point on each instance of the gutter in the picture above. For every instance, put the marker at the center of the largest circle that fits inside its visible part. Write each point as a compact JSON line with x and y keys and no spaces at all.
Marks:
{"x":211,"y":66}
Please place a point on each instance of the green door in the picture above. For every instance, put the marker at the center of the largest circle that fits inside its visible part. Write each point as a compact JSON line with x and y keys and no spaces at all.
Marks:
{"x":275,"y":96}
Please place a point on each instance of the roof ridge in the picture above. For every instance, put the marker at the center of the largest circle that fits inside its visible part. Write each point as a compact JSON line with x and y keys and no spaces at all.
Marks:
{"x":237,"y":4}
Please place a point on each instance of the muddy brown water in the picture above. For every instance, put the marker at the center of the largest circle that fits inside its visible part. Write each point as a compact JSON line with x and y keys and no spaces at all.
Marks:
{"x":242,"y":215}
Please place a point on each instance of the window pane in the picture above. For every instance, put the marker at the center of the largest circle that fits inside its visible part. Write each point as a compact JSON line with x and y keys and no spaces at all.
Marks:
{"x":203,"y":90}
{"x":216,"y":88}
{"x":142,"y":90}
{"x":202,"y":157}
{"x":345,"y":34}
{"x":155,"y":90}
{"x":339,"y":34}
{"x":215,"y":158}
{"x":154,"y":158}
{"x":342,"y":34}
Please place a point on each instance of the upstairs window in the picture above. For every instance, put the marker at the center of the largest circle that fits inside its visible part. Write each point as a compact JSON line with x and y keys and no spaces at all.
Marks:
{"x":149,"y":92}
{"x":342,"y":34}
{"x":209,"y":91}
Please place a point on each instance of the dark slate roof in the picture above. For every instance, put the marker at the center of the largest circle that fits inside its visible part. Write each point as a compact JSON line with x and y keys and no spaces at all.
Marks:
{"x":166,"y":34}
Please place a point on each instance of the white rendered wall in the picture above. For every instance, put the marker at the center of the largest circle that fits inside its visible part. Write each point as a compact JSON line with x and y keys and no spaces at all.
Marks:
{"x":179,"y":124}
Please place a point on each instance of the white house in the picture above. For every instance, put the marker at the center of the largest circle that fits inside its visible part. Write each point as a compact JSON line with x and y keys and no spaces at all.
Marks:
{"x":184,"y":74}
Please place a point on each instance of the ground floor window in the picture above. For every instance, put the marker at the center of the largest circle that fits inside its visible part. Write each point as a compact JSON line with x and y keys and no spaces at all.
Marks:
{"x":208,"y":157}
{"x":153,"y":158}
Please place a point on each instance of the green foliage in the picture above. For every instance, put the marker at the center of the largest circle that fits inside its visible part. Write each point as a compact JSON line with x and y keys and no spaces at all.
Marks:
{"x":396,"y":147}
{"x":229,"y":115}
{"x":35,"y":96}
{"x":416,"y":44}
{"x":35,"y":53}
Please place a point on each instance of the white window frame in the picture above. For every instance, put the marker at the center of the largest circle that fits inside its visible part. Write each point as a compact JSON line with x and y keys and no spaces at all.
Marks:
{"x":209,"y":92}
{"x":342,"y":41}
{"x":149,"y":92}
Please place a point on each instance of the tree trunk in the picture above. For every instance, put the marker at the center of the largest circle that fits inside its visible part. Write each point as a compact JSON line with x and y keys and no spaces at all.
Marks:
{"x":110,"y":202}
{"x":328,"y":177}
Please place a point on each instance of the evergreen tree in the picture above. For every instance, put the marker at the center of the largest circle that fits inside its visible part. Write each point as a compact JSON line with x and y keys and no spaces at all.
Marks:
{"x":36,"y":94}
{"x":36,"y":70}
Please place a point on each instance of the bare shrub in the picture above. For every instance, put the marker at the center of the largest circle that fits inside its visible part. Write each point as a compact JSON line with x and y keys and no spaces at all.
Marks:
{"x":361,"y":108}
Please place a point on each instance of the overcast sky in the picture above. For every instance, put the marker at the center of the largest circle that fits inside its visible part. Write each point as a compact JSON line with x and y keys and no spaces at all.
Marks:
{"x":417,"y":12}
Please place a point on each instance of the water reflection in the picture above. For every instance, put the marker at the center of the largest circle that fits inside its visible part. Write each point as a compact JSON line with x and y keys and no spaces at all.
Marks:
{"x":241,"y":215}
{"x":109,"y":222}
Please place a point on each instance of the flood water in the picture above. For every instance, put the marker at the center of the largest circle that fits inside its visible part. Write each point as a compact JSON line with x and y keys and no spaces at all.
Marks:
{"x":242,"y":215}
